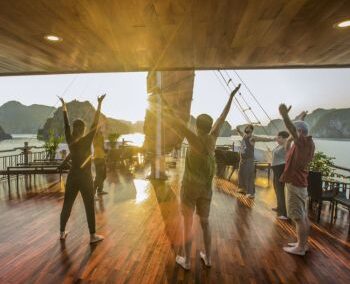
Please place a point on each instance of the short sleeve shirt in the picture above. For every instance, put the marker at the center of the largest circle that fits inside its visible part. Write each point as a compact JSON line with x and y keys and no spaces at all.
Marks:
{"x":297,"y":161}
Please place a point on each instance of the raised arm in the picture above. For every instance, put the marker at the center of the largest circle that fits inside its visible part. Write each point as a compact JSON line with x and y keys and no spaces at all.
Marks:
{"x":287,"y":121}
{"x":301,"y":116}
{"x":67,"y":130}
{"x":185,"y":131}
{"x":288,"y":143}
{"x":94,"y":125}
{"x":97,"y":113}
{"x":181,"y":126}
{"x":215,"y":131}
{"x":239,"y":131}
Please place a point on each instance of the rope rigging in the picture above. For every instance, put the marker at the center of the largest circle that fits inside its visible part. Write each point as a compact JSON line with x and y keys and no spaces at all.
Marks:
{"x":256,"y":100}
{"x":248,"y":107}
{"x":239,"y":107}
{"x":58,"y":101}
{"x":225,"y":82}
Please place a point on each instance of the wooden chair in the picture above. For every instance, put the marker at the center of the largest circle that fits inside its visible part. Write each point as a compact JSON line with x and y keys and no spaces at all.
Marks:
{"x":225,"y":158}
{"x":343,"y":199}
{"x":319,"y":193}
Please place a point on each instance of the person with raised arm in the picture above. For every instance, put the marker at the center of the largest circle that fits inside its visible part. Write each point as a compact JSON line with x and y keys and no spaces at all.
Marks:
{"x":196,"y":190}
{"x":279,"y":153}
{"x":80,"y":177}
{"x":100,"y":164}
{"x":246,"y":169}
{"x":295,"y":177}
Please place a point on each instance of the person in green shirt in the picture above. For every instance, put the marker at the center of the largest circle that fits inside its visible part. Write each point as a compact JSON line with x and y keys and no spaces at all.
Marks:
{"x":196,"y":190}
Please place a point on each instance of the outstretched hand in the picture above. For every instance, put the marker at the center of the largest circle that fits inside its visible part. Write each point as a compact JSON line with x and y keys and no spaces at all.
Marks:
{"x":284,"y":109}
{"x":235,"y":90}
{"x":301,"y":116}
{"x":101,"y":98}
{"x":62,"y":100}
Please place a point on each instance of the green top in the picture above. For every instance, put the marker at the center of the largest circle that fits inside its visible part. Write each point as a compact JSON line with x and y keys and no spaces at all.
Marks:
{"x":200,"y":166}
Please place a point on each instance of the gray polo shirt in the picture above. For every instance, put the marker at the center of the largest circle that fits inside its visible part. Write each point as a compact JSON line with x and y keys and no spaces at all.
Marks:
{"x":279,"y":155}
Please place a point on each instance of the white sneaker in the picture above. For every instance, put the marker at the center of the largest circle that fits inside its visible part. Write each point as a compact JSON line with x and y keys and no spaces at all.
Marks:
{"x":251,"y":196}
{"x":96,"y":238}
{"x":206,"y":261}
{"x":294,"y":250}
{"x":307,"y":247}
{"x":63,"y":235}
{"x":282,"y":217}
{"x":180,"y":260}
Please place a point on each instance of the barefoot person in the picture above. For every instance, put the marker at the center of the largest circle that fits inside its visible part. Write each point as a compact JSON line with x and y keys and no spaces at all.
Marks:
{"x":196,"y":191}
{"x":80,"y":177}
{"x":246,"y":169}
{"x":295,"y":177}
{"x":100,"y":163}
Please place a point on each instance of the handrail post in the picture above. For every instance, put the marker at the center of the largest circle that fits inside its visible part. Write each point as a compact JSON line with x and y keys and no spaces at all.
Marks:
{"x":26,"y":153}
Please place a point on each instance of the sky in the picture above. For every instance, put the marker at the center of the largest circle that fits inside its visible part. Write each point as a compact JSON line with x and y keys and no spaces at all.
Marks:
{"x":304,"y":89}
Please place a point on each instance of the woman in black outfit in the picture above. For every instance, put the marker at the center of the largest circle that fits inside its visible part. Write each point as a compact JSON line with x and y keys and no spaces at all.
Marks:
{"x":80,"y":177}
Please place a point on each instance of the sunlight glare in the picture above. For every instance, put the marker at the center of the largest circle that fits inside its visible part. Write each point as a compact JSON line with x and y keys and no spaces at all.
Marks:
{"x":142,"y":191}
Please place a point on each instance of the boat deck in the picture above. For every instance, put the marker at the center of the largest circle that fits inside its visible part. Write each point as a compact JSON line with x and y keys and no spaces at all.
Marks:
{"x":143,"y":228}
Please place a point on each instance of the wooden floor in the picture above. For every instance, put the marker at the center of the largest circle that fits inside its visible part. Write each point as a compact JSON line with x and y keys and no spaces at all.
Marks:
{"x":143,"y":229}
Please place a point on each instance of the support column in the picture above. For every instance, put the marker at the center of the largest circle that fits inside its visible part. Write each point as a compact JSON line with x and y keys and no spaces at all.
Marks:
{"x":158,"y":165}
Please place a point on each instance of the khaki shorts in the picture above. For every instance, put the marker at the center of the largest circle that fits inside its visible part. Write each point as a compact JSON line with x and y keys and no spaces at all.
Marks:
{"x":196,"y":197}
{"x":296,"y":201}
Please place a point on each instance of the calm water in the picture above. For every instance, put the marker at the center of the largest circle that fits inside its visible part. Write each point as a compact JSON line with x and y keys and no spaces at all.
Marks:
{"x":19,"y":139}
{"x":336,"y":148}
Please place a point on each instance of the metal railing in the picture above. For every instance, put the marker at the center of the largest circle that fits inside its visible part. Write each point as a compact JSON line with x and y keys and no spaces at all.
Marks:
{"x":26,"y":156}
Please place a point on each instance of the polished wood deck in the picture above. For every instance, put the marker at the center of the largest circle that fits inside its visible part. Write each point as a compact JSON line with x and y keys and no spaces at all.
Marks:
{"x":143,"y":229}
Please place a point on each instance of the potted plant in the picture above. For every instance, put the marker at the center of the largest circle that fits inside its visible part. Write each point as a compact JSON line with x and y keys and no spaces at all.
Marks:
{"x":51,"y":144}
{"x":322,"y":164}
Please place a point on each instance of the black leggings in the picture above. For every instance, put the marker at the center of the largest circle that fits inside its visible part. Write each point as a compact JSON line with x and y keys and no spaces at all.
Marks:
{"x":79,"y":182}
{"x":279,"y":189}
{"x":100,"y":168}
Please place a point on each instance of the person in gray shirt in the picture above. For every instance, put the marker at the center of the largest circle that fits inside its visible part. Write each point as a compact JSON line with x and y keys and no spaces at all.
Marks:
{"x":278,"y":163}
{"x":246,"y":170}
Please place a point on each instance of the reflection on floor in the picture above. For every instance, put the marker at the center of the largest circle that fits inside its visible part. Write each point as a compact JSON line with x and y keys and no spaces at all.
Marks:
{"x":143,"y":229}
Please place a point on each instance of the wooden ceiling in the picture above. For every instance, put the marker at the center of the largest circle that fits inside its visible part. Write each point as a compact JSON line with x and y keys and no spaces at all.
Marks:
{"x":138,"y":35}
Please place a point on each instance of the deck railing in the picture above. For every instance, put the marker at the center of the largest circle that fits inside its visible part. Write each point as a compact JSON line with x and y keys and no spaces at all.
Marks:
{"x":27,"y":155}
